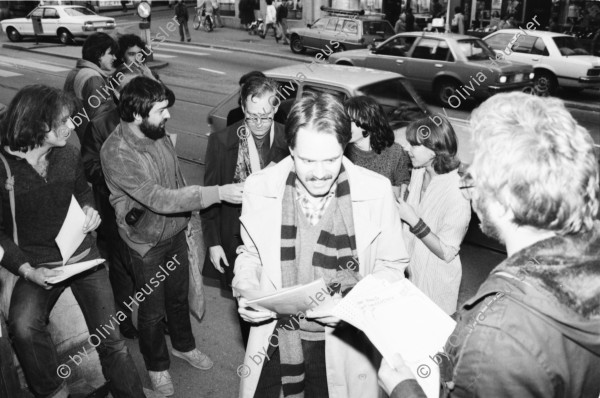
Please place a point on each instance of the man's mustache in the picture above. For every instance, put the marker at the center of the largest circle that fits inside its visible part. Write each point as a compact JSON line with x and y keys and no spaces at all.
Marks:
{"x":326,"y":178}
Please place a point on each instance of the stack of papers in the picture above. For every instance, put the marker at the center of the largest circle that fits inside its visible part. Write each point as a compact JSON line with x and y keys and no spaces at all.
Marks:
{"x":292,"y":300}
{"x":73,"y":269}
{"x":399,"y":319}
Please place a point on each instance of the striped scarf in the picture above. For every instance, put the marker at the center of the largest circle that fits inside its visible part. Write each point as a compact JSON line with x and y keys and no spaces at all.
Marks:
{"x":333,"y":260}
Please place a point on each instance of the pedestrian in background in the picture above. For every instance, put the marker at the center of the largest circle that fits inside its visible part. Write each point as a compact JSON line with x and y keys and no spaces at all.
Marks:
{"x":246,"y":13}
{"x":400,"y":25}
{"x":435,"y":212}
{"x":372,"y":144}
{"x":217,"y":13}
{"x":92,"y":73}
{"x":270,"y":21}
{"x":282,"y":14}
{"x":181,"y":13}
{"x":532,"y":329}
{"x":410,"y":20}
{"x":458,"y":22}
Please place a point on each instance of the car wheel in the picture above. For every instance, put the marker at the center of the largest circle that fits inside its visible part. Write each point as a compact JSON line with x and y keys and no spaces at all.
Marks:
{"x":296,"y":45}
{"x":13,"y":35}
{"x":65,"y":36}
{"x":545,"y":83}
{"x":345,"y":63}
{"x":446,"y":89}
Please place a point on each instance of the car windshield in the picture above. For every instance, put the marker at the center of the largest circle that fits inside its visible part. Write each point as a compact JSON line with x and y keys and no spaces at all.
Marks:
{"x":78,"y":11}
{"x":568,"y":45}
{"x":396,"y":100}
{"x":372,"y":27}
{"x":475,"y":49}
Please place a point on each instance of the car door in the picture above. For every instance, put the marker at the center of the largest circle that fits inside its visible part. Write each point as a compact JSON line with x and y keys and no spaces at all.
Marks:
{"x":50,"y":21}
{"x":428,"y":57}
{"x":392,"y":54}
{"x":27,"y":28}
{"x":312,"y":36}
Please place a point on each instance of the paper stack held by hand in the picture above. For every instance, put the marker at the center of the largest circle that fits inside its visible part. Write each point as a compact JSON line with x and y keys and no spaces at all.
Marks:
{"x":399,"y":319}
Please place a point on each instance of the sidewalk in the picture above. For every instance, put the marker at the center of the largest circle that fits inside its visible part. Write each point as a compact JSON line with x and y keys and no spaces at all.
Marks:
{"x":231,"y":37}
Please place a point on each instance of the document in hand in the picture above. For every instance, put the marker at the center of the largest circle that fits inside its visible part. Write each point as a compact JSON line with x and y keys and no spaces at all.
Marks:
{"x":295,"y":299}
{"x":398,"y":318}
{"x":71,"y":233}
{"x":73,"y":269}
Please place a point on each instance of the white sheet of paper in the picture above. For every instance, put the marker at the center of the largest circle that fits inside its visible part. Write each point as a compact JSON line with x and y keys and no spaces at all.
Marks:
{"x":73,"y":269}
{"x":71,"y":233}
{"x":399,"y":318}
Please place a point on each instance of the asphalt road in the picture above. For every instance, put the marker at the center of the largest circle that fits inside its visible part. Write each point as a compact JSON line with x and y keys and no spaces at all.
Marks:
{"x":201,"y":77}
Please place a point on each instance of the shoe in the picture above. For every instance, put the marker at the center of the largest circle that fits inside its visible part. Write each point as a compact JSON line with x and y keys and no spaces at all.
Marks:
{"x":181,"y":40}
{"x":262,"y":36}
{"x":277,"y":39}
{"x":161,"y":382}
{"x":195,"y":358}
{"x":129,"y":331}
{"x":148,"y":393}
{"x":189,"y":39}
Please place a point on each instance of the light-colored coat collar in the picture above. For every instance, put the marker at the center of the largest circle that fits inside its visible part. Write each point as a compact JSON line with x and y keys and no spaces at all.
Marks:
{"x":263,"y":223}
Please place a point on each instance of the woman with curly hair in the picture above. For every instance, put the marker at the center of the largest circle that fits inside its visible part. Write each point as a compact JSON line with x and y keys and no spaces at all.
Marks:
{"x":435,"y":213}
{"x":372,"y":145}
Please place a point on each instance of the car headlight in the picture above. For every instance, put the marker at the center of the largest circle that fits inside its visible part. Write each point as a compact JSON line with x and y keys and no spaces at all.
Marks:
{"x":503,"y":79}
{"x":110,"y":23}
{"x":531,"y":75}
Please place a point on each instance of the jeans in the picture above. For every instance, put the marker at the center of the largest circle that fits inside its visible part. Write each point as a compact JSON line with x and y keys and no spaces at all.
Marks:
{"x":184,"y":25}
{"x":113,"y":249}
{"x":28,"y":317}
{"x":162,"y":283}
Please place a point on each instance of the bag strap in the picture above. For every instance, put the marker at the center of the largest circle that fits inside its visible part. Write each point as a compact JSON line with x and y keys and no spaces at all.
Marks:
{"x":10,"y":187}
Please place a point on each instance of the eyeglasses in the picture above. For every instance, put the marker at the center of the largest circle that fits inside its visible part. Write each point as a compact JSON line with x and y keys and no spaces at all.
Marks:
{"x":467,"y":185}
{"x":258,"y":120}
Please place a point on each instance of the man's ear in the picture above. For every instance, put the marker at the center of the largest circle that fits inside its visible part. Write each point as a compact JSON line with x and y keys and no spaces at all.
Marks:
{"x":137,"y":119}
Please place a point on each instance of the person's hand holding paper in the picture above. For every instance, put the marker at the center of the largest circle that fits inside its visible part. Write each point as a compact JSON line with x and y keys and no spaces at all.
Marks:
{"x":92,"y":219}
{"x":322,"y":313}
{"x":253,"y":315}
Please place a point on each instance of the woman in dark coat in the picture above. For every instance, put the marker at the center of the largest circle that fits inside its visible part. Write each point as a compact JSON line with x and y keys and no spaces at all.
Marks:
{"x":246,"y":12}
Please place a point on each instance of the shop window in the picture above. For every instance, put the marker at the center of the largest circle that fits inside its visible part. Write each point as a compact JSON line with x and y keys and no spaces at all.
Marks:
{"x":294,"y":9}
{"x":227,"y":7}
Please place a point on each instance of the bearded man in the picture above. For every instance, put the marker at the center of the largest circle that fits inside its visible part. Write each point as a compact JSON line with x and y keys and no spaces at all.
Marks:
{"x":152,"y":206}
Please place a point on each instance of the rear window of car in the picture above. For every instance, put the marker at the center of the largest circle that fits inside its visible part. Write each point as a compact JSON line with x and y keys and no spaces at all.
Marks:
{"x":475,"y":49}
{"x":499,"y":41}
{"x":78,"y":11}
{"x":397,"y":102}
{"x":569,"y":46}
{"x":372,"y":27}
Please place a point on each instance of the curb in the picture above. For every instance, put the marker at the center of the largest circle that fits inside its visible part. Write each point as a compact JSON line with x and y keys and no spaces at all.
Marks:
{"x":581,"y":107}
{"x":152,"y":65}
{"x":243,"y":50}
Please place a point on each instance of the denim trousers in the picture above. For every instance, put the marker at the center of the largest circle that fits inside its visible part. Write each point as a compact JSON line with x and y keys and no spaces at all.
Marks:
{"x":28,"y":319}
{"x":162,"y":284}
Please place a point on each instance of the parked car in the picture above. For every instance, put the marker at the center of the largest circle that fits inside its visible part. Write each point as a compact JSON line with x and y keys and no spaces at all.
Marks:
{"x":558,"y":60}
{"x":340,"y":31}
{"x":452,"y":67}
{"x":65,"y":22}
